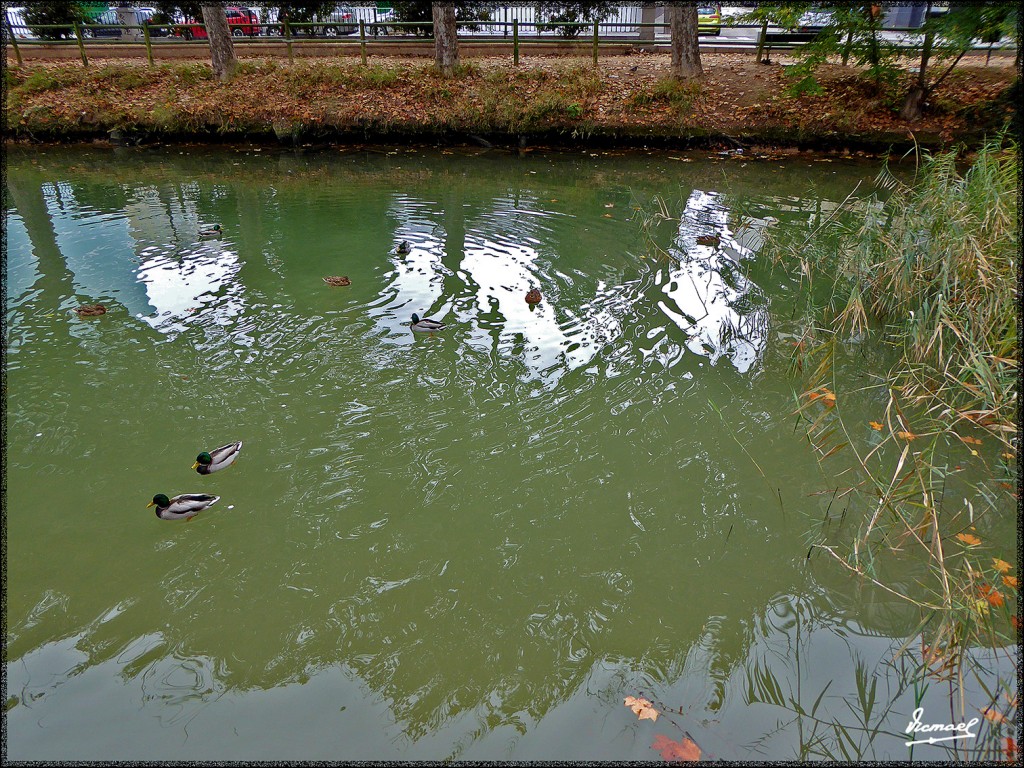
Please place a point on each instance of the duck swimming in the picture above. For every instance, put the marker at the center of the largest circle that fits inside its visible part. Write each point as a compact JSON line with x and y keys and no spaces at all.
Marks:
{"x":533,"y":296}
{"x":403,"y":247}
{"x":217,"y":459}
{"x":91,"y":310}
{"x":213,"y":231}
{"x":182,"y":507}
{"x":338,"y":280}
{"x":426,"y":325}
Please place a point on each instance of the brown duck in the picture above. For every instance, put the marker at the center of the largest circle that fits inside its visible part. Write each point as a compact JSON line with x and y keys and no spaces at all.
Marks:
{"x":91,"y":310}
{"x":533,"y":296}
{"x":337,"y":280}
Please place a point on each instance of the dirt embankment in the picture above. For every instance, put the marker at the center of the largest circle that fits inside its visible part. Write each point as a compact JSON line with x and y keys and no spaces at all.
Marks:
{"x":626,"y":100}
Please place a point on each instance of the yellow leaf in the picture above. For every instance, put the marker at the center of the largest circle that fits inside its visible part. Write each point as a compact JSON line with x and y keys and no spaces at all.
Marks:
{"x":970,"y":440}
{"x":906,"y":435}
{"x":641,"y":707}
{"x":967,"y":538}
{"x":1001,"y":565}
{"x":875,"y":425}
{"x":1010,"y":581}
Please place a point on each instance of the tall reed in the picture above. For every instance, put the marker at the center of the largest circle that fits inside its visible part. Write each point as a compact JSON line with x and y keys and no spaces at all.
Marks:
{"x":930,"y":267}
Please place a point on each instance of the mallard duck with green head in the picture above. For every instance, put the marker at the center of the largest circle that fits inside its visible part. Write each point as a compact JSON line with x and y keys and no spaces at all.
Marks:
{"x":214,"y":231}
{"x":185,"y":506}
{"x":403,"y":247}
{"x":338,"y":281}
{"x":217,"y":459}
{"x":426,"y":325}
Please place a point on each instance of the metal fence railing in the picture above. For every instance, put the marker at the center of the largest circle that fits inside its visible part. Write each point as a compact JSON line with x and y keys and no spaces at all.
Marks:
{"x":366,"y":24}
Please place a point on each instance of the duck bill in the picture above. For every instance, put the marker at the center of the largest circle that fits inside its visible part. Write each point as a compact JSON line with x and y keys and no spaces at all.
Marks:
{"x":195,"y":465}
{"x":151,"y":504}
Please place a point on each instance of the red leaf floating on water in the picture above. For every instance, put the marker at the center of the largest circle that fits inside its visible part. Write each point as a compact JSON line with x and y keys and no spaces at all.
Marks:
{"x":684,"y":751}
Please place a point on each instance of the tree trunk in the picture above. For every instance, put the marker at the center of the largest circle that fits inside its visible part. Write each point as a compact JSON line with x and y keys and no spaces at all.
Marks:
{"x":446,"y":41}
{"x":685,"y":54}
{"x":222,"y":52}
{"x":913,"y":105}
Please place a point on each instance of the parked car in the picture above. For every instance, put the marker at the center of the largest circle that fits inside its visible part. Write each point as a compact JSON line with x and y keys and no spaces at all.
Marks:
{"x":341,"y":21}
{"x":814,"y":20}
{"x":16,"y":18}
{"x":709,"y":19}
{"x":242,"y":22}
{"x":111,"y":26}
{"x":810,"y":24}
{"x":156,"y":29}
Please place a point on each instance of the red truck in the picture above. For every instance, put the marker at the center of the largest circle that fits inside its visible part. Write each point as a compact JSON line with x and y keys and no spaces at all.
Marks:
{"x":242,"y":22}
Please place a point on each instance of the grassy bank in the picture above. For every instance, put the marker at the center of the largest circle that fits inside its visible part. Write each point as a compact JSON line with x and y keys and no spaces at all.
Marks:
{"x":627,"y":99}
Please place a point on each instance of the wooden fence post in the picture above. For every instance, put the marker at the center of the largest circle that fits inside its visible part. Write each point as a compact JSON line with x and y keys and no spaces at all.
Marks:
{"x":515,"y":42}
{"x":14,"y":40}
{"x":362,"y":41}
{"x":760,"y":40}
{"x":81,"y":44}
{"x":595,"y":43}
{"x":149,"y":46}
{"x":288,"y":39}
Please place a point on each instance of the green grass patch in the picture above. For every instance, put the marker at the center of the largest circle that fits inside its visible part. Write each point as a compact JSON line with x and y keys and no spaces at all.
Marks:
{"x":49,"y":80}
{"x":679,"y":94}
{"x":121,"y":76}
{"x":378,"y":75}
{"x":189,"y":73}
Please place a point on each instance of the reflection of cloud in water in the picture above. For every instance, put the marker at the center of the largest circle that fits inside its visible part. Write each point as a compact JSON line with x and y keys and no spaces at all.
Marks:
{"x":503,"y":272}
{"x":707,"y":296}
{"x":180,"y":283}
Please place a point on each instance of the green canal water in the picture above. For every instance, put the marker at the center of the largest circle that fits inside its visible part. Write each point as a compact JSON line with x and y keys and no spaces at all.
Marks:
{"x":469,"y":546}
